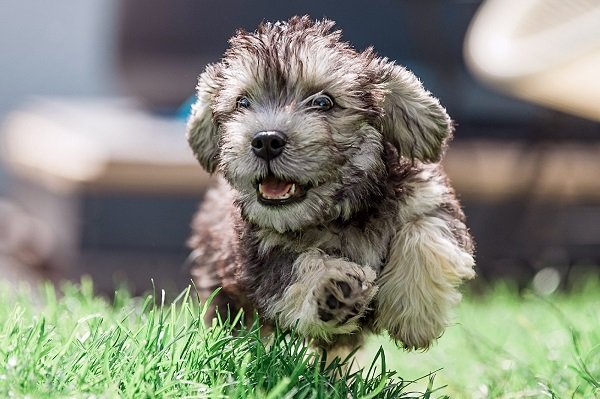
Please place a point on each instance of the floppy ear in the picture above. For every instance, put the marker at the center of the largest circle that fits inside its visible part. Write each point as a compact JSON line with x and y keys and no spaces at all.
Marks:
{"x":413,"y":121}
{"x":202,"y":131}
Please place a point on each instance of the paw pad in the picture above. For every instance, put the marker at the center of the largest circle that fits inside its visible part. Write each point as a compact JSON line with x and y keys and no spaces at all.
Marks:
{"x":332,"y":303}
{"x":341,"y":300}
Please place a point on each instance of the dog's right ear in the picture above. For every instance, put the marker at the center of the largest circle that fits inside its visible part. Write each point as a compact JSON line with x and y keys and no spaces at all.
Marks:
{"x":202,"y":130}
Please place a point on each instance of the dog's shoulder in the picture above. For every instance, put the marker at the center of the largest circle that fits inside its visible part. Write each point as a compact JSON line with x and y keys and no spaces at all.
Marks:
{"x":424,"y":190}
{"x":418,"y":188}
{"x":212,"y":223}
{"x":213,"y":241}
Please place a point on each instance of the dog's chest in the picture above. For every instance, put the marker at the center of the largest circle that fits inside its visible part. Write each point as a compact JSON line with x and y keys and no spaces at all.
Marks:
{"x":359,"y":247}
{"x":366,"y":245}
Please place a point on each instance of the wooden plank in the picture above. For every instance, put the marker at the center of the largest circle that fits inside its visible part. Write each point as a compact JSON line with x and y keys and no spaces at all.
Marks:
{"x":102,"y":146}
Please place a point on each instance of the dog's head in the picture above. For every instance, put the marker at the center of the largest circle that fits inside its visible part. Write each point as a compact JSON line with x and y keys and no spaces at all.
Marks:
{"x":296,"y":121}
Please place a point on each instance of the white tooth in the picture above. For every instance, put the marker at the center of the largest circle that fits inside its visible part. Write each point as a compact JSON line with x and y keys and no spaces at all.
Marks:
{"x":287,"y":195}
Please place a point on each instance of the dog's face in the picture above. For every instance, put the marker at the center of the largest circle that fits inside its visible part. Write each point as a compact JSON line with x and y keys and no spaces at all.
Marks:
{"x":296,"y":121}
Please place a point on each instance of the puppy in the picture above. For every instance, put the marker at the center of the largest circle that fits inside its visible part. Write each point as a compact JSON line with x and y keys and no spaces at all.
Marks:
{"x":332,"y":214}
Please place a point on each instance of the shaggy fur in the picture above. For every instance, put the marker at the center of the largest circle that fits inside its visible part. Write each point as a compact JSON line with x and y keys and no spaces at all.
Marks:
{"x":377,"y":241}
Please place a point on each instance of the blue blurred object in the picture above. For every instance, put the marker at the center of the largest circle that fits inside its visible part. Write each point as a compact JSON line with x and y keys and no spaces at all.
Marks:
{"x":185,"y":110}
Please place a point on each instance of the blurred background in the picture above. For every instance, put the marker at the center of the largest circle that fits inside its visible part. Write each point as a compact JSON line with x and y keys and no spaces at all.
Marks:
{"x":96,"y":177}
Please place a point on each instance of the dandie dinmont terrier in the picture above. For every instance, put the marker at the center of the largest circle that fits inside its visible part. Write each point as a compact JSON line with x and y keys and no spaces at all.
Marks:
{"x":333,"y":214}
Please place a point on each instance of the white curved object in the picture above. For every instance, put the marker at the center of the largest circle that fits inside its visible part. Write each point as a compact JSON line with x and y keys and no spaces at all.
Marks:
{"x":546,"y":51}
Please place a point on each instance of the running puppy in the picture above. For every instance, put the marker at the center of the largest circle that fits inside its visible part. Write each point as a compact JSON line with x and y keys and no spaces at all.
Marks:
{"x":332,"y":213}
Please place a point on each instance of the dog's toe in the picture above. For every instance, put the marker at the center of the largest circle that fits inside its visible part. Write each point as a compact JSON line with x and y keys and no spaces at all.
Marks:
{"x":345,"y":288}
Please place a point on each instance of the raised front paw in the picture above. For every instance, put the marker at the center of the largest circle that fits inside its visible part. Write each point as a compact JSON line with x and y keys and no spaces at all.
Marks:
{"x":327,"y":298}
{"x":344,"y":294}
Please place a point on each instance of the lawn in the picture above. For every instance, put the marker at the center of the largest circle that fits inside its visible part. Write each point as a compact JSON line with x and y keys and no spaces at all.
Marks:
{"x":503,"y":345}
{"x":509,"y":345}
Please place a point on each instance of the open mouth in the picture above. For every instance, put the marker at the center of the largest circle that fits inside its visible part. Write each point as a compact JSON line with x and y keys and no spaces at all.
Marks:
{"x":273,"y":191}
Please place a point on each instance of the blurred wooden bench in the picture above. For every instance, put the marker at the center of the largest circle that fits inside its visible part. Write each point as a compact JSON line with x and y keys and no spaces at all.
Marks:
{"x":100,"y":146}
{"x":115,"y":186}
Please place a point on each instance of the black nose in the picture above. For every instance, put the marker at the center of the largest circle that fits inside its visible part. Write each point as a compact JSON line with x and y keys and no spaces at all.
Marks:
{"x":268,"y":145}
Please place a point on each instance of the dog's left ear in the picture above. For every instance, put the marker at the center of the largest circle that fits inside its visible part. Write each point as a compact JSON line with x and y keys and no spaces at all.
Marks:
{"x":202,"y":130}
{"x":413,"y":121}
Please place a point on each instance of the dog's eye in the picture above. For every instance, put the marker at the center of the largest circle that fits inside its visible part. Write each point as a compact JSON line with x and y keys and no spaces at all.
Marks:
{"x":322,"y":102}
{"x":242,"y":102}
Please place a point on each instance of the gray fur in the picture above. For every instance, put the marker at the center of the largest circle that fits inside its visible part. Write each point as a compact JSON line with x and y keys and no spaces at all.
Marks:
{"x":366,"y":166}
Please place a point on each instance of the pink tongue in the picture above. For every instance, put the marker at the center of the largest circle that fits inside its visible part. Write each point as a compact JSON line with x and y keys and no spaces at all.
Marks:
{"x":274,"y":187}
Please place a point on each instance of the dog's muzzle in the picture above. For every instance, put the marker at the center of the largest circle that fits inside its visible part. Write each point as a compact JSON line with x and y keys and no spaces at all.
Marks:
{"x":272,"y":190}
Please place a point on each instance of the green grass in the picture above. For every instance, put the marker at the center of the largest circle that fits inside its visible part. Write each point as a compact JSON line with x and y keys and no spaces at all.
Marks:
{"x":79,"y":345}
{"x":75,"y":344}
{"x":509,"y":345}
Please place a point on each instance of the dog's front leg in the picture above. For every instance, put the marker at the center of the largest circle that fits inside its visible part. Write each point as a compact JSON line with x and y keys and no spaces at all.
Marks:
{"x":418,"y":285}
{"x":328,"y":296}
